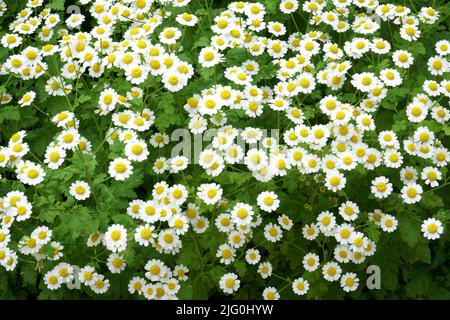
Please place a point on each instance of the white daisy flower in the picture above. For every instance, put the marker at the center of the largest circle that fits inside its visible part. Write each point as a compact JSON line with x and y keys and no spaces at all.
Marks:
{"x":349,"y":282}
{"x":268,"y":201}
{"x":120,"y":169}
{"x":432,"y":228}
{"x":229,"y":283}
{"x":80,"y":190}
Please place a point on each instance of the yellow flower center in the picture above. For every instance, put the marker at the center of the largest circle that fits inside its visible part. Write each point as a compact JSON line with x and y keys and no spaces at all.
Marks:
{"x":411,"y":193}
{"x":116,"y":235}
{"x":432,"y":228}
{"x":120,"y":167}
{"x":33,"y":173}
{"x":229,"y":283}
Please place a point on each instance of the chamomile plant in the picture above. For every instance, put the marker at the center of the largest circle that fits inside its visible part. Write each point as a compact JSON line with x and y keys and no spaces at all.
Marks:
{"x":185,"y":149}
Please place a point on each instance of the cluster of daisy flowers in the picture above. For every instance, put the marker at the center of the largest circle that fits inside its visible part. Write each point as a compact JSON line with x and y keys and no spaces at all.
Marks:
{"x":38,"y":244}
{"x":352,"y":245}
{"x":149,"y":48}
{"x":160,"y":223}
{"x":164,"y":207}
{"x":350,"y":126}
{"x":160,"y":282}
{"x":141,"y":53}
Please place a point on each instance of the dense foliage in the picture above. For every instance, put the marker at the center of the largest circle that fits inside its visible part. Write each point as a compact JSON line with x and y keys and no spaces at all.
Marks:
{"x":94,"y":94}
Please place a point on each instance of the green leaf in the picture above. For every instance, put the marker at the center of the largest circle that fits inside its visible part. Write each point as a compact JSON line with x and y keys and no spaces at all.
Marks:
{"x":201,"y":42}
{"x":77,"y":222}
{"x":431,"y":200}
{"x":125,"y":220}
{"x":82,"y":99}
{"x":217,"y":272}
{"x":56,"y":5}
{"x":186,"y":292}
{"x":48,"y":215}
{"x":266,"y":71}
{"x":447,"y":130}
{"x":29,"y":276}
{"x":189,"y":257}
{"x":373,"y":232}
{"x":409,"y":230}
{"x":422,"y":252}
{"x":419,"y":285}
{"x":124,"y":189}
{"x":236,"y":56}
{"x":166,"y":114}
{"x":241,"y":268}
{"x":234,"y":178}
{"x":9,"y":113}
{"x":418,"y":48}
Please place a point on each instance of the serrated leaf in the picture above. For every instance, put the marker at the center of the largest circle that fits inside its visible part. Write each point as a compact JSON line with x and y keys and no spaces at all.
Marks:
{"x":56,"y":5}
{"x":409,"y":230}
{"x":241,"y":268}
{"x":9,"y":113}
